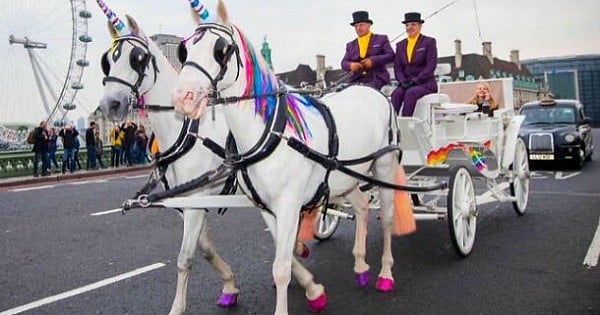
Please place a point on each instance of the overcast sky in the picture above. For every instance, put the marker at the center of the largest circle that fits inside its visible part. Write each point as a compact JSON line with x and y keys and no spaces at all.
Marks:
{"x":299,"y":30}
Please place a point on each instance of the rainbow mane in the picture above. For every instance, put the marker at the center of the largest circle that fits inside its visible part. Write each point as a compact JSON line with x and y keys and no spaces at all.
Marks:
{"x":260,"y":80}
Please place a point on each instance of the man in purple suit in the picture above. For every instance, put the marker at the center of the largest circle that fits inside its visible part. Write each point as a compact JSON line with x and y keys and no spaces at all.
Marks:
{"x":367,"y":56}
{"x":414,"y":65}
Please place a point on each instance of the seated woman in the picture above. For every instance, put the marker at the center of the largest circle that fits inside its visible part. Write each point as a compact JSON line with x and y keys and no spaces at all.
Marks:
{"x":483,"y":99}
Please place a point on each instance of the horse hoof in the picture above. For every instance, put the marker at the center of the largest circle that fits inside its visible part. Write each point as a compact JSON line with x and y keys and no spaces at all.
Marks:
{"x":384,"y":284}
{"x":318,"y":304}
{"x":362,"y":279}
{"x":227,"y":299}
{"x":302,"y":250}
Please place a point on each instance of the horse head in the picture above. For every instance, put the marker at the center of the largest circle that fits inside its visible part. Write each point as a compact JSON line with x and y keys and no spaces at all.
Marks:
{"x":211,"y":64}
{"x":130,"y":71}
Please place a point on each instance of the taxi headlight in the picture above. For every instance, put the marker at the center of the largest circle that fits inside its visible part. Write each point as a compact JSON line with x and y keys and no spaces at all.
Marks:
{"x":569,"y":138}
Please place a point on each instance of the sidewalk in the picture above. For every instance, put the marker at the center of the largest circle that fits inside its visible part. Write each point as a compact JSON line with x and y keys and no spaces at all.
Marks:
{"x":57,"y":177}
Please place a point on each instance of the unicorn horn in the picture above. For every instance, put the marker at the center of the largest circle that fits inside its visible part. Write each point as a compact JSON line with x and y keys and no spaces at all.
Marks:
{"x":200,"y":9}
{"x":112,"y":18}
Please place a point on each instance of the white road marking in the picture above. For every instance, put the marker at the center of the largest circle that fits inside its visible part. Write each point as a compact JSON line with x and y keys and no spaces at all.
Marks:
{"x":32,"y":188}
{"x":591,"y":258}
{"x":92,"y":181}
{"x":89,"y":287}
{"x":106,"y":212}
{"x":559,"y":175}
{"x":136,"y":176}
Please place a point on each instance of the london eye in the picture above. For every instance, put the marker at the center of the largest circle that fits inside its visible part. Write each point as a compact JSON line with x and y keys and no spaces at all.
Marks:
{"x":43,"y":47}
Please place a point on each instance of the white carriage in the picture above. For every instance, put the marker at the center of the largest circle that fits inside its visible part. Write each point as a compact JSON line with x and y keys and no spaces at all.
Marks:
{"x":452,"y":142}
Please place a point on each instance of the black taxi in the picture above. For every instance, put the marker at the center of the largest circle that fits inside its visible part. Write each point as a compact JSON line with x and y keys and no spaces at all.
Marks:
{"x":557,"y":130}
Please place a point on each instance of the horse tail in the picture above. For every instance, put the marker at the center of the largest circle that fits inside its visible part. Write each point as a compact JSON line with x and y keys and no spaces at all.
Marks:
{"x":307,"y":225}
{"x":404,"y":219}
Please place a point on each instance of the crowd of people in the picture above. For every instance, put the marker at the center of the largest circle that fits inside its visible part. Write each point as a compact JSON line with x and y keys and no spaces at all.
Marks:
{"x":128,"y":143}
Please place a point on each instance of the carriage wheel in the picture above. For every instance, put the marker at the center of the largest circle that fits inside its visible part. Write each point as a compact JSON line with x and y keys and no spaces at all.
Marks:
{"x":326,"y":225}
{"x":519,"y":186}
{"x":462,"y":211}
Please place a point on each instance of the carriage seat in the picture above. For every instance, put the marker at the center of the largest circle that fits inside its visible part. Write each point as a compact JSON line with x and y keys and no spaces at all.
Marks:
{"x":417,"y":131}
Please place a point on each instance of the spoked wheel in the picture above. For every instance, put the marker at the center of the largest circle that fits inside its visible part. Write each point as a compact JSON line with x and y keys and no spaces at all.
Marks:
{"x":326,"y":224}
{"x":519,"y":186}
{"x":462,"y":211}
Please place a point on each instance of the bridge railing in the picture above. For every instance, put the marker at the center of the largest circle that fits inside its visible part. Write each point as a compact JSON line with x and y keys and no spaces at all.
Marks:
{"x":20,"y":163}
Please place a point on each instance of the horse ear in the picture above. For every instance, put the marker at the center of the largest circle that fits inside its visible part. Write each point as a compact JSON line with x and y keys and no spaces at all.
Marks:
{"x":135,"y":29}
{"x":111,"y":30}
{"x":222,"y":12}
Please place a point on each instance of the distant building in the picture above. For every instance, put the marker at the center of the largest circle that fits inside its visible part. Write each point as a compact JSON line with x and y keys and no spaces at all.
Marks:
{"x":572,"y":77}
{"x":168,"y":44}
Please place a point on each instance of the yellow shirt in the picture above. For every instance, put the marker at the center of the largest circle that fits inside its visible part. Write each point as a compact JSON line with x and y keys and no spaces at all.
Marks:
{"x":363,"y":45}
{"x":410,"y":46}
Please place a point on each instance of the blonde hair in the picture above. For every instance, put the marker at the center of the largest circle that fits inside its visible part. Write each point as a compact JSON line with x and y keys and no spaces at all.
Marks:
{"x":492,"y":101}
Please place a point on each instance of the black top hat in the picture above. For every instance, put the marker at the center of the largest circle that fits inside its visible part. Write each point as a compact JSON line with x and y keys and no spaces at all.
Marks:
{"x":412,"y":17}
{"x":360,"y":16}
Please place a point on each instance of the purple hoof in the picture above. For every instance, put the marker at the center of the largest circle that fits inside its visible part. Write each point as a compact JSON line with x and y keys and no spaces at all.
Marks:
{"x":318,"y":304}
{"x":384,"y":284}
{"x":227,"y":299}
{"x":304,"y":253}
{"x":362,"y":279}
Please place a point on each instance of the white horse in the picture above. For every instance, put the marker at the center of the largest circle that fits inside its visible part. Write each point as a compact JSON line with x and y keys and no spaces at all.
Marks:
{"x":140,"y":67}
{"x":221,"y":65}
{"x":156,"y":80}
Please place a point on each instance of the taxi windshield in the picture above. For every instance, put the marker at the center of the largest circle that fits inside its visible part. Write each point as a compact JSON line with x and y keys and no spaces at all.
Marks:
{"x":548,"y":115}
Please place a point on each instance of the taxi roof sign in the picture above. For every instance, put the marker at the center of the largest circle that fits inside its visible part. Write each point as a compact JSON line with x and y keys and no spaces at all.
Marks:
{"x":548,"y":102}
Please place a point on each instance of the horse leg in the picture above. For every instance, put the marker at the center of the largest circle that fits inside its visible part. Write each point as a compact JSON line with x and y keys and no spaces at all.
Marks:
{"x":385,"y":170}
{"x":315,"y":293}
{"x":193,"y":224}
{"x":194,"y":234}
{"x":230,"y":292}
{"x":359,"y":202}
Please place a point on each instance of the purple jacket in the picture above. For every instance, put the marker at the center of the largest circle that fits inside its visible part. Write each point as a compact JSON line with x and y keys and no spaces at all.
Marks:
{"x":381,"y":53}
{"x":423,"y":63}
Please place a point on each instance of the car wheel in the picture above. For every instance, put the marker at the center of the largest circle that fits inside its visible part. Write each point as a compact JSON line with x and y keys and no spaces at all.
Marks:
{"x":588,"y":157}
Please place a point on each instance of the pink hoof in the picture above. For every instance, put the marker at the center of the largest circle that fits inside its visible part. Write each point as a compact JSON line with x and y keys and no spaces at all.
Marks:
{"x":227,"y":299}
{"x":318,"y":304}
{"x":384,"y":284}
{"x":362,"y":279}
{"x":302,"y":251}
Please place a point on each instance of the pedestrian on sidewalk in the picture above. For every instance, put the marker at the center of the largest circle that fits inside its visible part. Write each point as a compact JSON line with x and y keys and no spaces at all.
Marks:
{"x":69,"y":138}
{"x":40,"y":149}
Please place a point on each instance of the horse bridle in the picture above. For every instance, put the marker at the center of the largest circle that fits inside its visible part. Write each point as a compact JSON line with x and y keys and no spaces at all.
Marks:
{"x":139,"y":60}
{"x":223,"y":51}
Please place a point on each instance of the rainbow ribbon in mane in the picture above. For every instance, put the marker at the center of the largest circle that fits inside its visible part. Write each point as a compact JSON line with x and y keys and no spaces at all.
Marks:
{"x":473,"y":150}
{"x":260,"y":81}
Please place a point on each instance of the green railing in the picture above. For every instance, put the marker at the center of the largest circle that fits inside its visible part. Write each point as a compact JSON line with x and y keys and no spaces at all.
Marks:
{"x":20,"y":163}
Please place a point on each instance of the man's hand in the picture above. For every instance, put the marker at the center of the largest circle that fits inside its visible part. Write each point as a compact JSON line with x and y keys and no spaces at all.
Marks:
{"x":407,"y":84}
{"x":367,"y":63}
{"x":355,"y":66}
